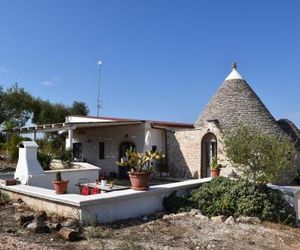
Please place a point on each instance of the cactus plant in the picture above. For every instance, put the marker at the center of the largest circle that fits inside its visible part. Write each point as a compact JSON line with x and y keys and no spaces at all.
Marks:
{"x":58,"y":176}
{"x":60,"y":185}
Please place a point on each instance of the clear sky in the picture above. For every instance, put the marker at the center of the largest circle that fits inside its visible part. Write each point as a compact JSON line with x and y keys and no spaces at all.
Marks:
{"x":161,"y":59}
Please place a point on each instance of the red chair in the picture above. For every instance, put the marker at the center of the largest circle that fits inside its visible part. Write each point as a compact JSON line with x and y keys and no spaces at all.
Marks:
{"x":96,"y":190}
{"x":85,"y":190}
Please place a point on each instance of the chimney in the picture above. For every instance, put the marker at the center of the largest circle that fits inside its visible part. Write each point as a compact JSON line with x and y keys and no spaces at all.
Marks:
{"x":27,"y":162}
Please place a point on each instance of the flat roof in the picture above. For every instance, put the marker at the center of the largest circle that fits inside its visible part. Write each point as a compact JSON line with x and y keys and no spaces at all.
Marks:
{"x":94,"y":121}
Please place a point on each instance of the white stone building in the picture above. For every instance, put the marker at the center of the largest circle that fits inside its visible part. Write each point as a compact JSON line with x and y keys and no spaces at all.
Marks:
{"x":189,"y":148}
{"x":235,"y":103}
{"x":101,"y":141}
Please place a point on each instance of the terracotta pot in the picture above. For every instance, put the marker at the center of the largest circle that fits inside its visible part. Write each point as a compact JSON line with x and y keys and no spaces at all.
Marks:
{"x":60,"y":187}
{"x":215,"y":172}
{"x":139,"y":180}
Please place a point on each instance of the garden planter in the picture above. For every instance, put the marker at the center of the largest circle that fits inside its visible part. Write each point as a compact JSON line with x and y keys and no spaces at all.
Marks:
{"x":60,"y":187}
{"x":139,"y":180}
{"x":215,"y":172}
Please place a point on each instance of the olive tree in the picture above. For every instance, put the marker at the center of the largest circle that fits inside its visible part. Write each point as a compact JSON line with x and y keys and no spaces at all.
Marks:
{"x":260,"y":157}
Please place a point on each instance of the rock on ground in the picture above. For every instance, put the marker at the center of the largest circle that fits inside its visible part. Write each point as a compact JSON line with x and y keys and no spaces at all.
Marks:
{"x":249,"y":220}
{"x":182,"y":232}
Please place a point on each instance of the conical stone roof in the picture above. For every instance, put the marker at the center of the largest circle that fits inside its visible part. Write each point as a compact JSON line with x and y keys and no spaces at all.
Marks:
{"x":234,"y":103}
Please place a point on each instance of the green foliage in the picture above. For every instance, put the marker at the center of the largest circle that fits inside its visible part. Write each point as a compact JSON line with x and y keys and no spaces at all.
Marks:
{"x":140,"y":162}
{"x":3,"y":198}
{"x":260,"y":157}
{"x":45,"y":112}
{"x":174,"y":203}
{"x":223,"y":196}
{"x":11,"y":147}
{"x":66,"y":157}
{"x":45,"y":160}
{"x":17,"y":106}
{"x":52,"y":144}
{"x":215,"y":165}
{"x":79,"y":108}
{"x":242,"y":197}
{"x":58,"y":176}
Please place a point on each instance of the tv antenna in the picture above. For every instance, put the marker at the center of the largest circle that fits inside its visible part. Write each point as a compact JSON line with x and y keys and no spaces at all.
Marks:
{"x":99,"y":63}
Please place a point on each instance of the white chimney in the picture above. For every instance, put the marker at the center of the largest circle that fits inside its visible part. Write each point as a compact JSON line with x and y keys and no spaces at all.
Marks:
{"x":27,"y":163}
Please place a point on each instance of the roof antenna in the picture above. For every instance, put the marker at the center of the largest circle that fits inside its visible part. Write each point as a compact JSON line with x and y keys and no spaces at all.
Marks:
{"x":99,"y":63}
{"x":234,"y":65}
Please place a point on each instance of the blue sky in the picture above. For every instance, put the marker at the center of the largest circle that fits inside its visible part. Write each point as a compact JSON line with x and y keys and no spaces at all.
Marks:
{"x":161,"y":59}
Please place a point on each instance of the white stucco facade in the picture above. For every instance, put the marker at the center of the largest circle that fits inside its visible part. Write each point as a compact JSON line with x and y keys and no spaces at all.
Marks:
{"x":142,"y":135}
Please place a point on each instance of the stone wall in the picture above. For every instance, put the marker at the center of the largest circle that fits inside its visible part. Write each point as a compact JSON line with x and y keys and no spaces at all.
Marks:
{"x":184,"y":151}
{"x":183,"y":148}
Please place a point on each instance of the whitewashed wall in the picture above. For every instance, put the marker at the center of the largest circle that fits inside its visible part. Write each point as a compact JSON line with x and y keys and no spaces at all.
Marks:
{"x":73,"y":175}
{"x":142,"y":135}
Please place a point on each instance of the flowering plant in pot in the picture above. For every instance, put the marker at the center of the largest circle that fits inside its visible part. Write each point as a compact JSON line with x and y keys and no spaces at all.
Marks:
{"x":140,"y":167}
{"x":60,"y":185}
{"x":215,"y":167}
{"x":103,"y":179}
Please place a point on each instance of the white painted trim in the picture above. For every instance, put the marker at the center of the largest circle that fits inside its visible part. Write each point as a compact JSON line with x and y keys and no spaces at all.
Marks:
{"x":234,"y":75}
{"x":81,"y":200}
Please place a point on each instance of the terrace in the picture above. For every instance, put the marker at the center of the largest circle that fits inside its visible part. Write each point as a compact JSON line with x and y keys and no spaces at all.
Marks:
{"x":36,"y":190}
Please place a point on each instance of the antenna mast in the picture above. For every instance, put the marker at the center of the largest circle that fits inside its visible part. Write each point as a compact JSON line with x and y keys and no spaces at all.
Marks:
{"x":99,"y":63}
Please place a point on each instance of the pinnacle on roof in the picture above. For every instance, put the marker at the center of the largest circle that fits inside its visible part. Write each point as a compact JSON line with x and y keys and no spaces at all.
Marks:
{"x":234,"y":103}
{"x":234,"y":73}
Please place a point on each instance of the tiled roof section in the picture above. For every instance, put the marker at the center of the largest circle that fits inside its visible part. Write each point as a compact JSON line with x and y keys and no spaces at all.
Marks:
{"x":234,"y":103}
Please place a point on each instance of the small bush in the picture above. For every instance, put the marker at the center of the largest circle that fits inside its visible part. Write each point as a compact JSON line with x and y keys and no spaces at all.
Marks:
{"x":242,"y":197}
{"x":66,"y":157}
{"x":11,"y":147}
{"x":45,"y":160}
{"x":223,"y":196}
{"x":3,"y":198}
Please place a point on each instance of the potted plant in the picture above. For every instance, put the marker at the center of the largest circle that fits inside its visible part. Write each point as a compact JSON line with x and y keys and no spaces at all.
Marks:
{"x":103,"y":179}
{"x":215,"y":167}
{"x":140,"y":167}
{"x":60,"y":186}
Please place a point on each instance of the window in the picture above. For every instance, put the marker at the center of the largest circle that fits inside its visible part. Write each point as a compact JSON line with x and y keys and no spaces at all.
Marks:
{"x":101,"y":151}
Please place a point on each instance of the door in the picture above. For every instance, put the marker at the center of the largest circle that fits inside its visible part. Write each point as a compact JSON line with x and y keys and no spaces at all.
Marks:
{"x":77,"y":151}
{"x":208,"y":151}
{"x":122,"y":153}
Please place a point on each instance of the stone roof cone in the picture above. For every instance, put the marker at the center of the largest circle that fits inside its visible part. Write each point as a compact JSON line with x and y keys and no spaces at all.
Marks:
{"x":234,"y":103}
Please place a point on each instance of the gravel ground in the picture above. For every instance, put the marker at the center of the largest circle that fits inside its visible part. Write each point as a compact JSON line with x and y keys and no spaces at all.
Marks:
{"x":182,"y":231}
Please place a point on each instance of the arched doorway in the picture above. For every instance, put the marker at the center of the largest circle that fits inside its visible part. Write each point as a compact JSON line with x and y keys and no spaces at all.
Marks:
{"x":208,"y":151}
{"x":124,"y":146}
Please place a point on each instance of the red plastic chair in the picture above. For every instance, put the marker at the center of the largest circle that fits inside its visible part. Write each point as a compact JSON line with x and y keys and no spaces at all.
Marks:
{"x":85,"y":190}
{"x":96,"y":190}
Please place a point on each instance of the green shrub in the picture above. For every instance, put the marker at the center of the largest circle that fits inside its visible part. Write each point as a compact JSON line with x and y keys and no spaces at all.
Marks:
{"x":223,"y":196}
{"x":3,"y":198}
{"x":260,"y":157}
{"x":11,"y":147}
{"x":45,"y":160}
{"x":242,"y":197}
{"x":66,"y":157}
{"x":174,"y":203}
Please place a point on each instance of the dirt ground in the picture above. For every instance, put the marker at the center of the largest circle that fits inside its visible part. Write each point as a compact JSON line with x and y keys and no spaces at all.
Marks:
{"x":6,"y":166}
{"x":182,"y":231}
